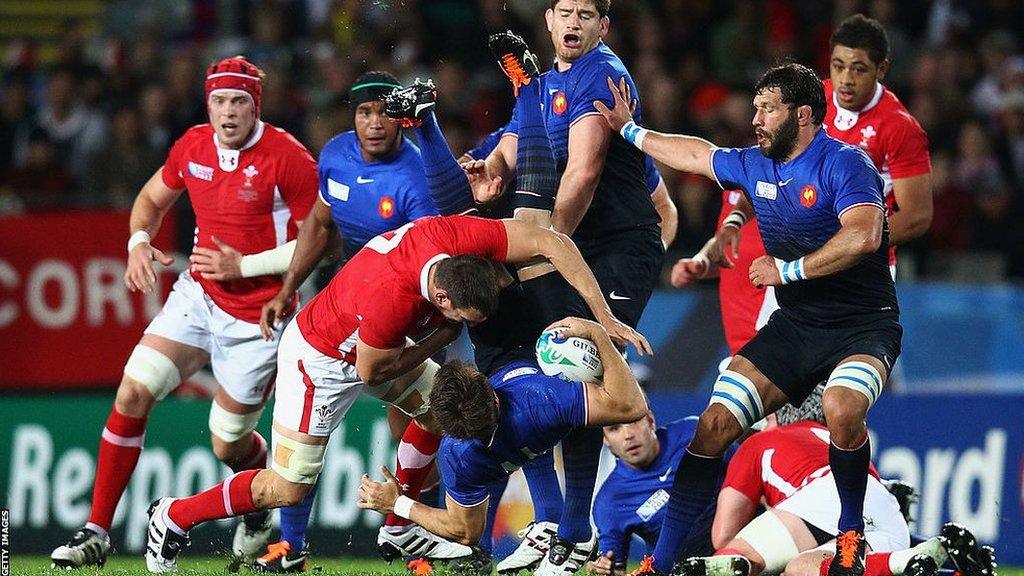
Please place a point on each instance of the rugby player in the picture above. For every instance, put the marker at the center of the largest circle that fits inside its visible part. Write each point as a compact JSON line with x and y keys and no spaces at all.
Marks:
{"x":250,"y":184}
{"x":438,"y":271}
{"x":821,"y":214}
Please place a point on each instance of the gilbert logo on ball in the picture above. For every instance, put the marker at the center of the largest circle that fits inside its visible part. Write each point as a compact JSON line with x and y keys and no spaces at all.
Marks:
{"x":570,"y":358}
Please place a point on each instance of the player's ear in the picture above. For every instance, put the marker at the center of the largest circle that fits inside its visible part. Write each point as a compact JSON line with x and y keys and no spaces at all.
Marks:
{"x":441,"y":297}
{"x":605,"y":22}
{"x":883,"y":67}
{"x":804,"y":115}
{"x":549,"y":17}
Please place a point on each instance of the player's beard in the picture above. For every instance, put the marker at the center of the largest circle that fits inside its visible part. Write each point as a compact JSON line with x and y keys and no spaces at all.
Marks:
{"x":782,"y":142}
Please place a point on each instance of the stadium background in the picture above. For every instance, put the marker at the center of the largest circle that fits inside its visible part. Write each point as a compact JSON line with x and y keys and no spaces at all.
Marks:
{"x":127,"y":73}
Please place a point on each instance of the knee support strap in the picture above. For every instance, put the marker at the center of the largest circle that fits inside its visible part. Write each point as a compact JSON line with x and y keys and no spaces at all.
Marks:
{"x":739,"y":396}
{"x":770,"y":538}
{"x":154,"y":370}
{"x":295,"y":461}
{"x":229,"y":426}
{"x":859,"y":376}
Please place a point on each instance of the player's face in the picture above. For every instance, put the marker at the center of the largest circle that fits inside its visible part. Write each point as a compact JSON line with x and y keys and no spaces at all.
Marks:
{"x":854,"y":76}
{"x":471,"y":316}
{"x":775,"y":124}
{"x":635,"y":443}
{"x":576,"y":27}
{"x":233,"y":117}
{"x":378,"y":135}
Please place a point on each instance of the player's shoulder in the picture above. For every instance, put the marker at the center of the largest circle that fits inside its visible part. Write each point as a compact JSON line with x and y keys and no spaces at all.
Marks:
{"x":197,"y":134}
{"x":410,"y":157}
{"x":682,"y":429}
{"x":593,"y":68}
{"x":842,"y":155}
{"x":281,"y":140}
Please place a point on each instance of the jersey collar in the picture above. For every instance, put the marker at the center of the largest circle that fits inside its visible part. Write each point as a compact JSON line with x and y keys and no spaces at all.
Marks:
{"x":846,"y":119}
{"x":425,"y":275}
{"x":256,"y":135}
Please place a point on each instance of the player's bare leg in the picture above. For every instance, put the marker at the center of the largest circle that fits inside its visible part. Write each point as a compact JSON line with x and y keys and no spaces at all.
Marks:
{"x":155,"y":368}
{"x":769,"y":542}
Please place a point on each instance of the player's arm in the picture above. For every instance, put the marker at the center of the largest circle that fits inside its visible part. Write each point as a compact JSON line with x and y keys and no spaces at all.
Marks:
{"x":528,"y":241}
{"x":463,"y":524}
{"x":487,"y":177}
{"x":686,"y":153}
{"x":914,"y":197}
{"x":377,"y":366}
{"x":734,"y":511}
{"x":618,"y":399}
{"x":667,"y":212}
{"x":151,"y":205}
{"x":588,"y":145}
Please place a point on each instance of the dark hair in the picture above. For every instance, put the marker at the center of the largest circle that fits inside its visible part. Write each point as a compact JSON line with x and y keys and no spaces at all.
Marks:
{"x":463,"y":402}
{"x":602,"y":6}
{"x":371,"y":86}
{"x":470,"y":281}
{"x":859,"y":31}
{"x":799,"y":85}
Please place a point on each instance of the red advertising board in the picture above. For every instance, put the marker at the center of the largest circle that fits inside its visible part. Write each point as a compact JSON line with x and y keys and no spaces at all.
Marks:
{"x":67,"y":320}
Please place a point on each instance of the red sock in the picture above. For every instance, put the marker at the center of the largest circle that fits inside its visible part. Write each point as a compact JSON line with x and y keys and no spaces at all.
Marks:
{"x":825,"y":564}
{"x":416,"y":454}
{"x":232,"y":497}
{"x":877,"y":564}
{"x":257,"y":458}
{"x":120,"y":446}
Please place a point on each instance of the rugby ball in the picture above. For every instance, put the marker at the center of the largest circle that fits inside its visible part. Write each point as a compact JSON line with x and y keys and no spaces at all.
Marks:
{"x":569,"y":358}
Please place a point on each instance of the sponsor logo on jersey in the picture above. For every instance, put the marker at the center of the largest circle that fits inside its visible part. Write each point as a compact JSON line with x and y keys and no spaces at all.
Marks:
{"x":559,"y":103}
{"x":386,"y":207}
{"x":361,"y":180}
{"x":766,"y":190}
{"x":200,"y":171}
{"x":809,"y":195}
{"x":227,"y":159}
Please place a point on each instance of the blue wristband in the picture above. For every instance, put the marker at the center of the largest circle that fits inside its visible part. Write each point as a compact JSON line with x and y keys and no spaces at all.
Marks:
{"x":792,"y":271}
{"x":634,"y":134}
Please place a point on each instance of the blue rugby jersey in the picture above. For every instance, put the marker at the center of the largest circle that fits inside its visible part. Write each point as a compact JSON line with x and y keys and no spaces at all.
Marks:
{"x":798,"y":205}
{"x":369,"y":198}
{"x":534,"y":413}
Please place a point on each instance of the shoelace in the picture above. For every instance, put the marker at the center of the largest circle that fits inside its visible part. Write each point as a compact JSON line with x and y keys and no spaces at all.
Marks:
{"x":646,"y":566}
{"x":514,"y":68}
{"x":276,"y":550}
{"x":848,"y":544}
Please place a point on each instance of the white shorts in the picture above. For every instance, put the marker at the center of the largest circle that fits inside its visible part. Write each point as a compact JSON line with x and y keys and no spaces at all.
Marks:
{"x":818,"y":503}
{"x":314,"y":391}
{"x":243,"y":362}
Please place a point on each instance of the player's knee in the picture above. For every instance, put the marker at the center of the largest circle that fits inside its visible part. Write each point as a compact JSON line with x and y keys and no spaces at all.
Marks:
{"x":738,"y":395}
{"x":717,"y":428}
{"x":149,"y":375}
{"x":277,"y":491}
{"x":295,"y":462}
{"x":133,"y":398}
{"x":806,"y":564}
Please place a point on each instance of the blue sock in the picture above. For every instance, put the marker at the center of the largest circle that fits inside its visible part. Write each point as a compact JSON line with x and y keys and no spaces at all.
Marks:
{"x":850,"y":470}
{"x":495,"y":493}
{"x":535,"y":163}
{"x":544,"y":489}
{"x":581,"y":452}
{"x":295,"y":520}
{"x":695,"y":486}
{"x":449,"y":187}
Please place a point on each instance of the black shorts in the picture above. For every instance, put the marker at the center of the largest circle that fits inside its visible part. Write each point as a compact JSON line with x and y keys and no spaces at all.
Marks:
{"x":796,"y":356}
{"x":627,"y":265}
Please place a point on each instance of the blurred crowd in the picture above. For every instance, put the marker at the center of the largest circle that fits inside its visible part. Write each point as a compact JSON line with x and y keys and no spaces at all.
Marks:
{"x":87,"y":130}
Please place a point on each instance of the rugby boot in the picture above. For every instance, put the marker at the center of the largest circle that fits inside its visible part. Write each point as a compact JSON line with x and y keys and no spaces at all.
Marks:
{"x":850,"y":551}
{"x":280,"y":559}
{"x":417,"y":541}
{"x":86,"y":548}
{"x":162,"y":544}
{"x":409,"y":106}
{"x":963,"y":549}
{"x":536,"y":540}
{"x":725,"y":565}
{"x":515,"y":58}
{"x":565,"y":558}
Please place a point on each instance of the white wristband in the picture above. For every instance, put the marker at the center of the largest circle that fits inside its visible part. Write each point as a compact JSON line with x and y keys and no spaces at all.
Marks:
{"x":403,"y":507}
{"x":634,"y":134}
{"x":735,"y":218}
{"x":792,"y":271}
{"x":138,"y":237}
{"x":273,"y":261}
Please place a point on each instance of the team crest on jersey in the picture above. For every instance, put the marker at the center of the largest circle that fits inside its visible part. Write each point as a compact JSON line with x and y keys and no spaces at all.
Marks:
{"x":200,"y":171}
{"x":559,"y":103}
{"x":227,"y":159}
{"x":866,"y":134}
{"x":386,"y":207}
{"x":808,"y":195}
{"x":323,"y":413}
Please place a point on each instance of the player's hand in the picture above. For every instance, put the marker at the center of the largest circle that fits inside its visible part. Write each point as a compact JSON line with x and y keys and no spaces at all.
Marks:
{"x":379,"y":496}
{"x":624,"y":105}
{"x":764,"y":272}
{"x":224,"y":263}
{"x":619,"y":333}
{"x":603,"y":565}
{"x":485,"y":189}
{"x":273,"y":313}
{"x":139,"y":275}
{"x":687,"y":270}
{"x":726,"y":249}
